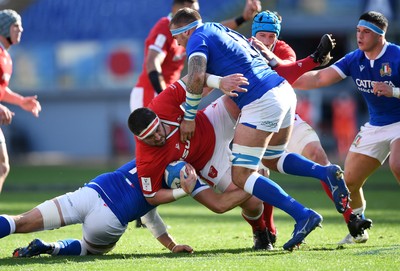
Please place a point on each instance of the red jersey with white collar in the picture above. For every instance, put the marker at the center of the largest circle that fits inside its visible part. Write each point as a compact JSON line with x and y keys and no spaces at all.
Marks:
{"x":5,"y":70}
{"x":152,"y":160}
{"x":161,"y":40}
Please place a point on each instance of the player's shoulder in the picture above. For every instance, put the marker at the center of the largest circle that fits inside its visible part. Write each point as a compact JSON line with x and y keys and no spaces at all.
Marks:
{"x":393,"y":48}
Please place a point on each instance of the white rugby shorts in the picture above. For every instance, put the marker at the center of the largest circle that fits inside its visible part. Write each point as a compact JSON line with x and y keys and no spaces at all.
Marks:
{"x":302,"y":135}
{"x":100,"y":226}
{"x":375,"y":141}
{"x":273,"y":111}
{"x":217,"y":170}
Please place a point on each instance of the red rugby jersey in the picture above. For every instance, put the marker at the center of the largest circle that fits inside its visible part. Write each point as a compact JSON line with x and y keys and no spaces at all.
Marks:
{"x":152,"y":160}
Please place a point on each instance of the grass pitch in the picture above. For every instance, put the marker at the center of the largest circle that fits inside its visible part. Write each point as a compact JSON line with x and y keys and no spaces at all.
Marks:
{"x":221,"y":242}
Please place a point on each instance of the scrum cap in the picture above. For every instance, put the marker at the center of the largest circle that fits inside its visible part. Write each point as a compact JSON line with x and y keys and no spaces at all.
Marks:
{"x":266,"y":21}
{"x":8,"y":17}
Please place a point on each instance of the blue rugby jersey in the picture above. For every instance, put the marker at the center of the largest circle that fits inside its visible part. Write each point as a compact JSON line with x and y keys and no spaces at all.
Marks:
{"x":386,"y":68}
{"x":229,"y":52}
{"x":121,"y":191}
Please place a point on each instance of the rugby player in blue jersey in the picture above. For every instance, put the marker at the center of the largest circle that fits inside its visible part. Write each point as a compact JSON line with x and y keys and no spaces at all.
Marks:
{"x":375,"y":68}
{"x":267,"y":116}
{"x":104,"y":207}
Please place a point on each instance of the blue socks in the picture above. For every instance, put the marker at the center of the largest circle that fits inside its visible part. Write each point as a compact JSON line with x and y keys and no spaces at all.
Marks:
{"x":295,"y":164}
{"x":7,"y":226}
{"x":270,"y":192}
{"x":68,"y":247}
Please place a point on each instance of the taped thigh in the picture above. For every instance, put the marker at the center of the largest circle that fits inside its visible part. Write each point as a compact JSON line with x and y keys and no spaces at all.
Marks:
{"x":51,"y":215}
{"x":248,"y":157}
{"x":273,"y":152}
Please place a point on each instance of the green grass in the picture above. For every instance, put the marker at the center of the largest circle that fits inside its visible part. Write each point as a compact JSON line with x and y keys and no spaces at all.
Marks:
{"x":221,"y":242}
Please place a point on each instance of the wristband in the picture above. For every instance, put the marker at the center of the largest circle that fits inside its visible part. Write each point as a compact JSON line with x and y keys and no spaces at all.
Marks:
{"x":173,"y":245}
{"x":214,"y":81}
{"x":178,"y":193}
{"x":273,"y":62}
{"x":172,"y":249}
{"x":396,"y":93}
{"x":191,"y":105}
{"x":239,"y":20}
{"x":154,"y":77}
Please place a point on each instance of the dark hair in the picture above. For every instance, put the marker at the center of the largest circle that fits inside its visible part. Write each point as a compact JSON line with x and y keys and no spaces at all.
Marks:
{"x":376,"y":18}
{"x":139,"y":119}
{"x":185,"y":16}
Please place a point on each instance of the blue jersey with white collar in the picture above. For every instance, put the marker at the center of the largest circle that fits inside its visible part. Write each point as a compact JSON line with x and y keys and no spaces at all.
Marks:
{"x":386,"y":68}
{"x":121,"y":191}
{"x":229,"y":52}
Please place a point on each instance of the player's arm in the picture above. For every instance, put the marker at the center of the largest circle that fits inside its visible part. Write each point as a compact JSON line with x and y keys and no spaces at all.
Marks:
{"x":221,"y":203}
{"x":317,"y":79}
{"x":29,"y":103}
{"x":163,"y":196}
{"x":226,"y":84}
{"x":196,"y":79}
{"x":251,"y":8}
{"x":158,"y":229}
{"x":202,"y":192}
{"x":153,"y":62}
{"x":273,"y":60}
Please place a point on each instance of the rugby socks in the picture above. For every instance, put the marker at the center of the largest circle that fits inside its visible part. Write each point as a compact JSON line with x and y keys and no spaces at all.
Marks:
{"x":268,"y":215}
{"x":7,"y":226}
{"x":256,"y":223}
{"x":67,"y":247}
{"x":327,"y":189}
{"x":347,"y":214}
{"x":270,"y":192}
{"x":295,"y":164}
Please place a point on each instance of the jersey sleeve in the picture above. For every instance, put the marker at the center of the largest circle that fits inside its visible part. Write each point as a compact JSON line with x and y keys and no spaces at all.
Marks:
{"x":284,"y":51}
{"x":160,"y":38}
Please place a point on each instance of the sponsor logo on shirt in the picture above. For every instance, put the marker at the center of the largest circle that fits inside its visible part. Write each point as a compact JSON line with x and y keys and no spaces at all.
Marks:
{"x":146,"y":183}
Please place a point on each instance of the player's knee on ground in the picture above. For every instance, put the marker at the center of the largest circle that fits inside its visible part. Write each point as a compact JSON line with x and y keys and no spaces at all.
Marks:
{"x":88,"y":248}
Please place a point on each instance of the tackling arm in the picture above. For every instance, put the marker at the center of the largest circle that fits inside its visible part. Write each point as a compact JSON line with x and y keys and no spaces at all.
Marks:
{"x":317,"y":79}
{"x":163,"y":196}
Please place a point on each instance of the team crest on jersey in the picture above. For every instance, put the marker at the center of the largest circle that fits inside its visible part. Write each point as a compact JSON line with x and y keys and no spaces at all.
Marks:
{"x":212,"y":173}
{"x":146,"y":183}
{"x":356,"y":141}
{"x":177,"y":146}
{"x":385,"y":70}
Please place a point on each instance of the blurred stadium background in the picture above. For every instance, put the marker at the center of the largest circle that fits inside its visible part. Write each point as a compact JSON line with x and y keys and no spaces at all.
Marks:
{"x":82,"y":59}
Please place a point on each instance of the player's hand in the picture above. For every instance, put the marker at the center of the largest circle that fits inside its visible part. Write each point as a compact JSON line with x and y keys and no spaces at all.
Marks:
{"x":382,"y":89}
{"x":252,"y":8}
{"x":233,"y":82}
{"x":189,"y":182}
{"x":262,"y":48}
{"x":5,"y":115}
{"x":187,"y":130}
{"x":31,"y":104}
{"x":182,"y":248}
